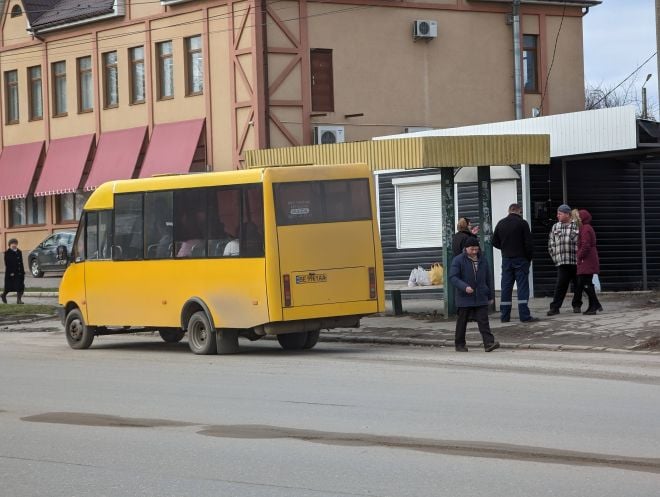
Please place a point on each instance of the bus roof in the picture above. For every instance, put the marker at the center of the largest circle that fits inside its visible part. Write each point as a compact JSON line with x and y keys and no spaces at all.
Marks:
{"x":103,"y":196}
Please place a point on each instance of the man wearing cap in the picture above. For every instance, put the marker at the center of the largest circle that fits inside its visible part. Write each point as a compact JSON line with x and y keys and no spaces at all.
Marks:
{"x":562,"y":246}
{"x":470,"y":276}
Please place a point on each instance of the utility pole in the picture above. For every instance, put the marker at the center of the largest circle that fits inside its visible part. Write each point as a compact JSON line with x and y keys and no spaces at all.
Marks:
{"x":657,"y":35}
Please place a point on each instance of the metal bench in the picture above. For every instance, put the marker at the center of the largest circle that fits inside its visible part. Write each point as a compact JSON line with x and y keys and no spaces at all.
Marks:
{"x":396,"y":287}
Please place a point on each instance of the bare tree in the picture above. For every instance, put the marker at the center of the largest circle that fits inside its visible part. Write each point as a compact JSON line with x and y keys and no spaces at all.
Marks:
{"x":601,"y":96}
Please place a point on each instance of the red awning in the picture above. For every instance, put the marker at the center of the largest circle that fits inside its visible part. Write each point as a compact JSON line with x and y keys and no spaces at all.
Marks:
{"x":17,"y":166}
{"x":116,"y":156}
{"x":172,"y":148}
{"x":64,"y":165}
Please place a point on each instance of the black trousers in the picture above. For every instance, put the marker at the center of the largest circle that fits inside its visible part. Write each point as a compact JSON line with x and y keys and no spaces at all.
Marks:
{"x":585,"y":283}
{"x":566,"y":274}
{"x":480,"y":315}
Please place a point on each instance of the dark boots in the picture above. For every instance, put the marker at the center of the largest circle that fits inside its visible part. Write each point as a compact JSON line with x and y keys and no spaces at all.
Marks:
{"x":19,"y":298}
{"x":3,"y":296}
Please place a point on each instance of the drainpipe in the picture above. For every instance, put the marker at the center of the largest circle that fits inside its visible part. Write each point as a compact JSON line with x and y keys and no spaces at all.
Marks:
{"x":517,"y":69}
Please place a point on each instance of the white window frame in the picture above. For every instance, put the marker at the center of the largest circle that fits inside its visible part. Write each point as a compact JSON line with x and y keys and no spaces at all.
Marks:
{"x":410,"y":181}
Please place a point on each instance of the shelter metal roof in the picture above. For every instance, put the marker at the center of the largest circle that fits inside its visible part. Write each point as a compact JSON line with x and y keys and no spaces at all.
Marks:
{"x":575,"y":133}
{"x":414,"y":153}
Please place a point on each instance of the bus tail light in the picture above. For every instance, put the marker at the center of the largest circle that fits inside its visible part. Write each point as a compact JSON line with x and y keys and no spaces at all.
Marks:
{"x":372,"y":283}
{"x":287,"y":290}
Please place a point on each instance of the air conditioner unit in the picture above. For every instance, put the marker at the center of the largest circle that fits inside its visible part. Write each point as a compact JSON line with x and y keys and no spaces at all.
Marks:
{"x":424,"y":29}
{"x":328,"y":134}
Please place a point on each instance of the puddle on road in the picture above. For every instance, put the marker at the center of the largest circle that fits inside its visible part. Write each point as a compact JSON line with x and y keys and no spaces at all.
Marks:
{"x":448,"y":447}
{"x":434,"y":446}
{"x":85,"y":419}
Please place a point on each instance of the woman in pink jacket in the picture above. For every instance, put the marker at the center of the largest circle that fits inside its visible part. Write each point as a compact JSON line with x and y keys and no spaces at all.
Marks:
{"x":587,"y":262}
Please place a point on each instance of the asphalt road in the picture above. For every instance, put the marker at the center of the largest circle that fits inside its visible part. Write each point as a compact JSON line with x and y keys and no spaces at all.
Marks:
{"x":136,"y":417}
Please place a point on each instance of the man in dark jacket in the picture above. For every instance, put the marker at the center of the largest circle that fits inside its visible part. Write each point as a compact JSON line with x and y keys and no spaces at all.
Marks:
{"x":14,"y":272}
{"x":470,"y":276}
{"x":514,"y":238}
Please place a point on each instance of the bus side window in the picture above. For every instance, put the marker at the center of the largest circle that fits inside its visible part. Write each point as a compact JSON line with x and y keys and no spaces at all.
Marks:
{"x":224,"y":222}
{"x":190,"y":223}
{"x":92,"y":236}
{"x":105,"y":235}
{"x":252,"y":231}
{"x":158,"y":225}
{"x":128,"y":229}
{"x":79,"y":242}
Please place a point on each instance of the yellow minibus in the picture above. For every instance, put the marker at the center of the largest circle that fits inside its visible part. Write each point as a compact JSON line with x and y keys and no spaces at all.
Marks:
{"x":285,"y":251}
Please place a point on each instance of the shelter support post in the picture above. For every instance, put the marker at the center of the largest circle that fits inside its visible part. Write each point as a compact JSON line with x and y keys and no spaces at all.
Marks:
{"x":448,"y":219}
{"x":527,"y":213}
{"x":486,"y":218}
{"x":645,"y":279}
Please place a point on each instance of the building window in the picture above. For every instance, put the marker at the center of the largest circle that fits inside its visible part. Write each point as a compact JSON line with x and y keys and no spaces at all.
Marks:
{"x":27,"y":211}
{"x":137,"y":75}
{"x":165,"y":70}
{"x":194,"y":66}
{"x":85,"y":85}
{"x":323,"y":99}
{"x":70,"y":206}
{"x":110,"y":80}
{"x":418,"y":206}
{"x":16,"y":11}
{"x":11,"y":96}
{"x":530,"y":63}
{"x":59,"y":88}
{"x":35,"y":96}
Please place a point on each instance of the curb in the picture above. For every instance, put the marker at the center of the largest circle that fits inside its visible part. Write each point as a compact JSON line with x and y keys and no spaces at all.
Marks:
{"x":41,"y":294}
{"x":504,"y":345}
{"x":24,"y":321}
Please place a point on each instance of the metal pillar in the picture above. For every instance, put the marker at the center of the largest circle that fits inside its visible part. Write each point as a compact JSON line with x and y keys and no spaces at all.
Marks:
{"x":527,"y":213}
{"x":486,"y":218}
{"x":645,"y":282}
{"x":448,"y":220}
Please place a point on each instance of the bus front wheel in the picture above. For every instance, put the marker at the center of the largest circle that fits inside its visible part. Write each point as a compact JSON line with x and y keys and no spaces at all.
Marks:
{"x":78,"y":334}
{"x":201,"y":337}
{"x":172,"y":335}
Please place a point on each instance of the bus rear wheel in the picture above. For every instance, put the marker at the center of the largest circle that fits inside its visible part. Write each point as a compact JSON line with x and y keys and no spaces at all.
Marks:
{"x":172,"y":335}
{"x":298,"y":341}
{"x":201,"y":337}
{"x":78,"y":334}
{"x":312,"y":339}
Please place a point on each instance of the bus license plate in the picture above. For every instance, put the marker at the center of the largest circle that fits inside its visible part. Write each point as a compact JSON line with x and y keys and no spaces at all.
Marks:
{"x":311,"y":278}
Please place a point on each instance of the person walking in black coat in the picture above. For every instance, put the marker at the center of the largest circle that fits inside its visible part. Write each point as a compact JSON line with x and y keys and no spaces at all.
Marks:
{"x":14,"y":272}
{"x":470,"y":276}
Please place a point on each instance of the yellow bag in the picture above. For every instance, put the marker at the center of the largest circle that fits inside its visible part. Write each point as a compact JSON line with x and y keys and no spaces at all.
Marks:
{"x":436,"y":273}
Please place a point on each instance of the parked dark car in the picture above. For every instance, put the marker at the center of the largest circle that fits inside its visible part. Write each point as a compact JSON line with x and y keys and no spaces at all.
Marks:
{"x":45,"y":256}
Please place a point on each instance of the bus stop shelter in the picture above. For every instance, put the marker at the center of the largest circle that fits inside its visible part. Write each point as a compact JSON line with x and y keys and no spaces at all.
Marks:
{"x":442,"y":152}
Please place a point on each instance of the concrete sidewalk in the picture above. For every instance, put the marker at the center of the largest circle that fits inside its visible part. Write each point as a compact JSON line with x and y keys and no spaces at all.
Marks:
{"x":630,"y":322}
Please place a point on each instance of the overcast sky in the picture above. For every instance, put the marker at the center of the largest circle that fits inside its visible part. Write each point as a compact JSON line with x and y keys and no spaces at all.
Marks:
{"x":618,"y":36}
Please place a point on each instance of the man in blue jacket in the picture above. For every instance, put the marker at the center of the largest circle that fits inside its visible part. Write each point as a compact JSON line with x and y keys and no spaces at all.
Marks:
{"x":469,"y":274}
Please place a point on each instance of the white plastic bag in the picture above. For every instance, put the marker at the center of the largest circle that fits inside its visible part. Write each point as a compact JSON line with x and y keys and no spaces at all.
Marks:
{"x":423,"y":278}
{"x":412,"y":280}
{"x":596,"y":282}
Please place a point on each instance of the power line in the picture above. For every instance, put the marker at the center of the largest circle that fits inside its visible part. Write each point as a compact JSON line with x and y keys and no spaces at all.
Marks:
{"x":626,"y":78}
{"x":552,"y":62}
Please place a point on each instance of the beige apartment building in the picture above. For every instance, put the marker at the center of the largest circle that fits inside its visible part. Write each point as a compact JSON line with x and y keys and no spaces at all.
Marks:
{"x":112,"y":89}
